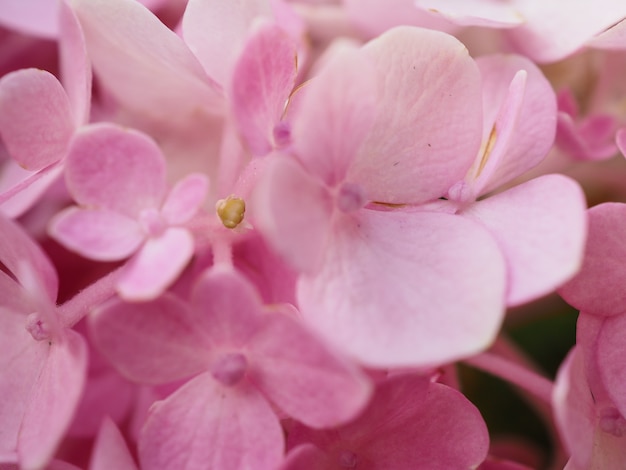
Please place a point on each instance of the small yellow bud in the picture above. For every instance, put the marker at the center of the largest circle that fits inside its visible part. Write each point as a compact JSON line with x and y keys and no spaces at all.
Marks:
{"x":231,"y":211}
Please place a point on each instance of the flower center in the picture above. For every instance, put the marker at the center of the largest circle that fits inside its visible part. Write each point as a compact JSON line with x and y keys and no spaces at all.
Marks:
{"x":152,"y":222}
{"x":282,"y":134}
{"x":230,"y":368}
{"x":350,"y":197}
{"x":231,"y":211}
{"x":347,"y":459}
{"x":37,"y":327}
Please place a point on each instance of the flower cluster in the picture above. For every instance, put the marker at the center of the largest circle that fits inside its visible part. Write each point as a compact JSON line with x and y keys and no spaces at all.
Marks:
{"x":266,"y":234}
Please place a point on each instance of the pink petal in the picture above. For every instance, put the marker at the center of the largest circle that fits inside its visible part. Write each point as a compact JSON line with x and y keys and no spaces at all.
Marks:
{"x":21,"y":361}
{"x":611,"y":349}
{"x":149,"y":342}
{"x":33,"y":17}
{"x":101,"y":235}
{"x":574,"y":409}
{"x":115,"y":168}
{"x":21,"y":189}
{"x":18,"y":250}
{"x":540,"y":226}
{"x":226,"y":307}
{"x":409,"y":415}
{"x":61,"y":382}
{"x":302,"y":376}
{"x":110,"y":450}
{"x":156,"y":265}
{"x":613,"y":38}
{"x":429,"y":123}
{"x":293,"y":212}
{"x":400,"y":288}
{"x":335,"y":116}
{"x":185,"y":198}
{"x":307,"y":456}
{"x":75,"y":64}
{"x":597,"y":288}
{"x":127,"y":58}
{"x":215,"y":31}
{"x":204,"y":425}
{"x":263,"y":78}
{"x":36,"y":121}
{"x":522,"y":115}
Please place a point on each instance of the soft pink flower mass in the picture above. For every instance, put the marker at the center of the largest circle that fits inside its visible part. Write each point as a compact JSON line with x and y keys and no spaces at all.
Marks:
{"x":273,"y":234}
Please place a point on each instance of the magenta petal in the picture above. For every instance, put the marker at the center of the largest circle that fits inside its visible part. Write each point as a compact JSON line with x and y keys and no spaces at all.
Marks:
{"x":156,"y":265}
{"x":110,"y":450}
{"x":36,"y":121}
{"x":611,"y":350}
{"x":149,"y":68}
{"x":428,"y":128}
{"x":540,"y":226}
{"x":185,"y":198}
{"x":307,"y":456}
{"x":522,"y":117}
{"x":97,"y":234}
{"x":216,"y":30}
{"x":300,"y":375}
{"x":262,"y":80}
{"x":61,"y":382}
{"x":293,"y":212}
{"x":115,"y":168}
{"x":150,"y":342}
{"x":400,"y":288}
{"x":204,"y":425}
{"x":598,"y":287}
{"x":335,"y":116}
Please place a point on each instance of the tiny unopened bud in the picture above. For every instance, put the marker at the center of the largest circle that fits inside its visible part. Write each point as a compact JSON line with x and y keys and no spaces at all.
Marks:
{"x":230,"y":368}
{"x":347,"y":459}
{"x":231,"y":211}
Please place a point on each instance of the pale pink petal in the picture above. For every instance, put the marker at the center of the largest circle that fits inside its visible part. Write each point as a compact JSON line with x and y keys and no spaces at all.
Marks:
{"x":149,"y":342}
{"x":491,"y":13}
{"x":521,"y":116}
{"x":33,"y":17}
{"x":591,"y":139}
{"x":18,"y":250}
{"x":205,"y":425}
{"x":304,"y":378}
{"x":620,"y":139}
{"x":377,"y":16}
{"x":429,"y":123}
{"x":115,"y":168}
{"x":400,"y":288}
{"x":549,"y":35}
{"x":216,"y":30}
{"x":75,"y":64}
{"x":110,"y":450}
{"x":597,"y":288}
{"x":21,"y":361}
{"x":156,"y":265}
{"x":141,"y":62}
{"x":612,"y":38}
{"x":226,"y":307}
{"x":185,"y":198}
{"x":101,"y":235}
{"x":335,"y":116}
{"x":61,"y":382}
{"x":36,"y":121}
{"x":262,"y":80}
{"x":540,"y":226}
{"x":293,"y":212}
